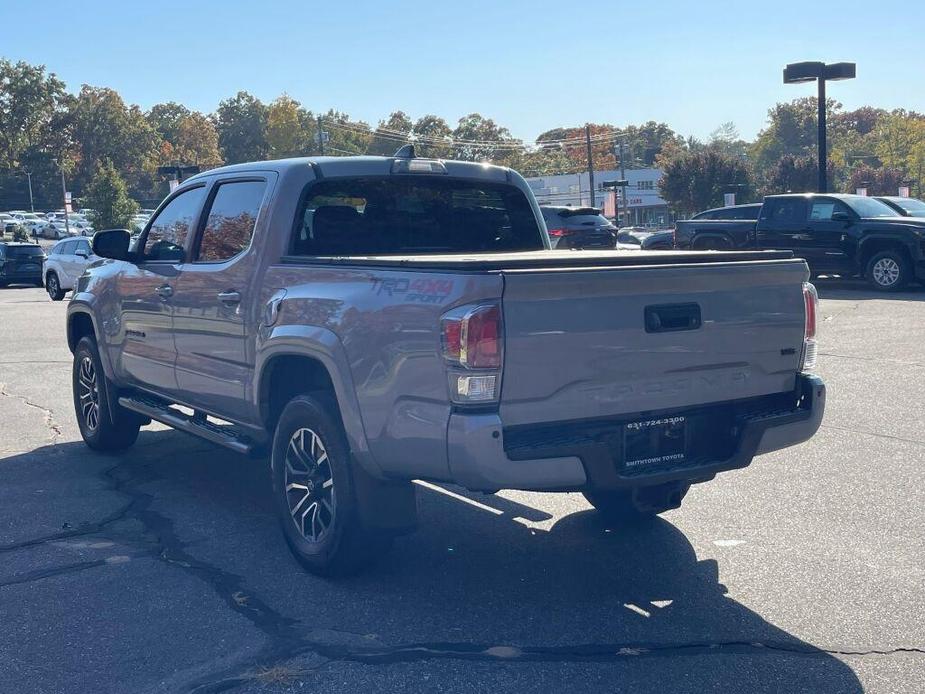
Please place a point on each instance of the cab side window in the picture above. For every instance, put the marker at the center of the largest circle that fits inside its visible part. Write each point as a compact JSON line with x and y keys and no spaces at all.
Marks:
{"x":169,"y":231}
{"x":786,"y":211}
{"x":231,"y":220}
{"x":823,"y":209}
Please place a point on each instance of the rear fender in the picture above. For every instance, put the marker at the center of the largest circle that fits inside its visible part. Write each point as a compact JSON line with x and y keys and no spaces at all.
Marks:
{"x":325,"y":347}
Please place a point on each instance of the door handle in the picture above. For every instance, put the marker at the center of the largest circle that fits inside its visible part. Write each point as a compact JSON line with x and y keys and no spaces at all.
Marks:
{"x":165,"y":291}
{"x":230,"y":297}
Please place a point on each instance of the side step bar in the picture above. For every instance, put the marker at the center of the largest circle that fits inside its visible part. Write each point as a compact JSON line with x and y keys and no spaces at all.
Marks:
{"x":196,"y":424}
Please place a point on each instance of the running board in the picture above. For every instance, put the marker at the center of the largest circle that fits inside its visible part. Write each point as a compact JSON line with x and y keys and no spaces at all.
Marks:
{"x":196,"y":424}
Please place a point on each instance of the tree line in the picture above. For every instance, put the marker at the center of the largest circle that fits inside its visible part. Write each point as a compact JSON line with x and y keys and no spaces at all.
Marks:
{"x":45,"y":129}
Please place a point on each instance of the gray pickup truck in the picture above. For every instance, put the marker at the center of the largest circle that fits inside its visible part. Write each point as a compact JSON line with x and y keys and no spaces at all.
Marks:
{"x":368,"y":321}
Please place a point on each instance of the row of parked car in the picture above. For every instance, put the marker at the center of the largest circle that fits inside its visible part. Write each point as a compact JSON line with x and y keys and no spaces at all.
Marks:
{"x":52,"y":225}
{"x":881,"y":239}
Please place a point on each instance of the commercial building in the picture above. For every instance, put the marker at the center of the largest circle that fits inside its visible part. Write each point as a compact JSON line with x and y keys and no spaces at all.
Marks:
{"x":644,"y":205}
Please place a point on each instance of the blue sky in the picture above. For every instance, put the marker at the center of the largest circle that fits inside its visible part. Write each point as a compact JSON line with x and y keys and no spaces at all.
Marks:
{"x":529,"y":65}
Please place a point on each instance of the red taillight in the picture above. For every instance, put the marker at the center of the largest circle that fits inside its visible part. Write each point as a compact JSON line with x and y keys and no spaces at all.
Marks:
{"x":471,"y":336}
{"x":559,"y":232}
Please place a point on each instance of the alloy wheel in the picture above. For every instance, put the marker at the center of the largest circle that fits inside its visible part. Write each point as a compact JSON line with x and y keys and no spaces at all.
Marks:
{"x":52,"y":285}
{"x":886,"y":272}
{"x":89,"y":394}
{"x":309,"y":485}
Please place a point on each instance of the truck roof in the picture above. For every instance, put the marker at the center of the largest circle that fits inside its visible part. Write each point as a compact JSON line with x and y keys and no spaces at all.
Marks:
{"x":358,"y":166}
{"x":843,"y":196}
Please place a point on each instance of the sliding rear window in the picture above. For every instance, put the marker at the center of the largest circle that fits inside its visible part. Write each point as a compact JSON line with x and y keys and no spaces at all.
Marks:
{"x":412,"y":215}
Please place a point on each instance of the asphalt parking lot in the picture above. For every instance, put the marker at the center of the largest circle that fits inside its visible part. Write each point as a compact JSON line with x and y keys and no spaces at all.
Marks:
{"x":162,"y":569}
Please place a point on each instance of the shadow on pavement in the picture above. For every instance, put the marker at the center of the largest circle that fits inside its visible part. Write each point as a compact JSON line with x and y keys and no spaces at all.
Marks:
{"x":480,"y":580}
{"x":858,"y":289}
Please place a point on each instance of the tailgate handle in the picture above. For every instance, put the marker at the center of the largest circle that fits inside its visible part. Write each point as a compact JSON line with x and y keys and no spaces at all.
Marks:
{"x":672,"y":317}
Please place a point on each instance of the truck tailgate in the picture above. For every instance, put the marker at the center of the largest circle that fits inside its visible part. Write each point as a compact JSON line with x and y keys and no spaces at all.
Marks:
{"x":578,"y":345}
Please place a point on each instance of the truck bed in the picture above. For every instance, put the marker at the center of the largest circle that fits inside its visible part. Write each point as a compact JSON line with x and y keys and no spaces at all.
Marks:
{"x":541,"y":260}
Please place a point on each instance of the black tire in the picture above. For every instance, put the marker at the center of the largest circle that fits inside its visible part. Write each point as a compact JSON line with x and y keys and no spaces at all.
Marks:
{"x":335,"y":542}
{"x":628,"y":506}
{"x":53,"y":287}
{"x":889,"y":271}
{"x":711,"y":244}
{"x":99,"y":430}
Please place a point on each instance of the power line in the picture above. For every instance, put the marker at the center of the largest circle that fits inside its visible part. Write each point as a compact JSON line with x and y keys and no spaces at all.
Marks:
{"x":395,"y":135}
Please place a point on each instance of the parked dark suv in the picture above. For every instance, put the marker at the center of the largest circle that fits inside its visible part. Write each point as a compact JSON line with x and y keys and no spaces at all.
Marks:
{"x":21,"y":263}
{"x":578,"y":227}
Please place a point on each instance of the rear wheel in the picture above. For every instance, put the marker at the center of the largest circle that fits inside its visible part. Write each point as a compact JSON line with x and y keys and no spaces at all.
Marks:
{"x":53,"y":287}
{"x":636,"y":505}
{"x":711,"y":244}
{"x":889,"y":271}
{"x":100,"y":430}
{"x":315,"y":492}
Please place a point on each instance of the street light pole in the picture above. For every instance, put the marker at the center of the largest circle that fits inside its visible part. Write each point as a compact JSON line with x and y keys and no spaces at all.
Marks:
{"x":796,"y":73}
{"x":822,"y":150}
{"x":67,"y":224}
{"x":590,"y":165}
{"x":31,"y":202}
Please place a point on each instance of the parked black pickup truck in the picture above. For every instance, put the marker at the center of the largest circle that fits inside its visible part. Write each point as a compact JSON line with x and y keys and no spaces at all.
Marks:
{"x":836,"y":234}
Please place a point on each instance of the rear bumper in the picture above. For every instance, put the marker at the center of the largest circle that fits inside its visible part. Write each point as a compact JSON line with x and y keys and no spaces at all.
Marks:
{"x":479,"y":459}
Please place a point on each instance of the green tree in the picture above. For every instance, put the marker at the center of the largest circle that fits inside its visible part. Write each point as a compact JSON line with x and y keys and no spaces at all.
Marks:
{"x":197,"y":142}
{"x":166,"y":119}
{"x":30,"y":99}
{"x":432,"y":136}
{"x":241,"y":122}
{"x":106,"y":129}
{"x":391,"y":134}
{"x":726,"y":139}
{"x":697,"y":180}
{"x":791,"y":131}
{"x":108,"y":197}
{"x":796,"y":175}
{"x":477,"y":138}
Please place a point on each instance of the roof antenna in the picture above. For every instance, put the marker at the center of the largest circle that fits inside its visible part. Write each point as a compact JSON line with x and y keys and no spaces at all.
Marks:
{"x":405,"y":152}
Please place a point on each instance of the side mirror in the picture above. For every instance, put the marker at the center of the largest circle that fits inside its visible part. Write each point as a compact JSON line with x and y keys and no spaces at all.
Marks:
{"x":841,"y":217}
{"x":112,"y":243}
{"x":81,"y":254}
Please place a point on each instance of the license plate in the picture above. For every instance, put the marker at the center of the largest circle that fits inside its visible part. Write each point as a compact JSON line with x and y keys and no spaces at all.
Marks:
{"x":654,"y":442}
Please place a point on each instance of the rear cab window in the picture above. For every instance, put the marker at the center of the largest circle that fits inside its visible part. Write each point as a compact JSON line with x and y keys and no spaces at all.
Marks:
{"x":414,"y":215}
{"x":230,"y":221}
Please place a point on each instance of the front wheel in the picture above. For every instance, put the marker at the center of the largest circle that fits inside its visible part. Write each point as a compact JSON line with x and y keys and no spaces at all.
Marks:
{"x":100,"y":430}
{"x":53,"y":287}
{"x":315,"y":491}
{"x":889,"y":271}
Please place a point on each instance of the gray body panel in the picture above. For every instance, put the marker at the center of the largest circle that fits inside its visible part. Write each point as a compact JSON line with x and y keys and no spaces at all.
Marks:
{"x":575,"y":343}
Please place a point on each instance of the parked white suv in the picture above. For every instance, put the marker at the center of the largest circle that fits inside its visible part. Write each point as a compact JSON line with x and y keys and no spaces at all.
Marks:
{"x":66,"y":262}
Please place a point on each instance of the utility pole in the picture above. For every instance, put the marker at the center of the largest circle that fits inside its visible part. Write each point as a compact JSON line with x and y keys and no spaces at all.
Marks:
{"x":623,"y":177}
{"x":67,"y":224}
{"x":590,"y":164}
{"x":320,"y":136}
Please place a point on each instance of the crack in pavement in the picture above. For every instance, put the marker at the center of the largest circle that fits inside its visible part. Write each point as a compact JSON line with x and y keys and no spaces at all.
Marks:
{"x":873,"y":434}
{"x":48,"y":414}
{"x":287,"y":637}
{"x":604,"y":652}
